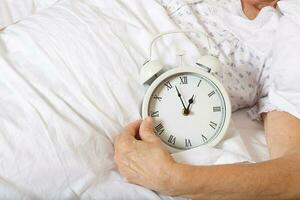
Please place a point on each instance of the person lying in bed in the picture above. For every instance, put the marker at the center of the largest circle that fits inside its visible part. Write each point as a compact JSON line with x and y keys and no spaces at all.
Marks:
{"x":147,"y":163}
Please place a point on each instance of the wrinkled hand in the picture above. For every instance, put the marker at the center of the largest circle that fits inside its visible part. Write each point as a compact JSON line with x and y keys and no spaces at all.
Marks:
{"x":144,"y":161}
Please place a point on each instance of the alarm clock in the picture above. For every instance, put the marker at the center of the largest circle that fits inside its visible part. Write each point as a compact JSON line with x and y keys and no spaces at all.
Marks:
{"x":189,"y":105}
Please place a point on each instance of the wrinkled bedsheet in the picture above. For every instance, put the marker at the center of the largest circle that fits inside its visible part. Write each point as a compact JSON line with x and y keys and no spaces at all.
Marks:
{"x":69,"y":83}
{"x":12,"y":11}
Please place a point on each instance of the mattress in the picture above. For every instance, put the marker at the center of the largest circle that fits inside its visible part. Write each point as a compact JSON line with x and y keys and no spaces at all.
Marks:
{"x":69,"y":82}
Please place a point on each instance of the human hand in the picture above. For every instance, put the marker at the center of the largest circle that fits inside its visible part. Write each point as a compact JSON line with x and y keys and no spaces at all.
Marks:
{"x":144,"y":161}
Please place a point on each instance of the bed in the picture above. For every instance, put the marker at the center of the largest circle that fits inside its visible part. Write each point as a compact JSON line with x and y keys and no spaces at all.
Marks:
{"x":69,"y":83}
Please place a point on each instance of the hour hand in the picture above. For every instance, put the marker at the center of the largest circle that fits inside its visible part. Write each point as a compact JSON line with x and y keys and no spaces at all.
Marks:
{"x":180,"y":96}
{"x":191,"y":101}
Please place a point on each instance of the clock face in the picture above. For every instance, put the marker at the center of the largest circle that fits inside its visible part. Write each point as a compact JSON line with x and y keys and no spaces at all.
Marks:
{"x":188,"y":109}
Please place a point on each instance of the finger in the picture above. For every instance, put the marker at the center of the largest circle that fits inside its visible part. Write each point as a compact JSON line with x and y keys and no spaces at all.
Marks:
{"x":127,"y":137}
{"x":146,"y":130}
{"x":131,"y":130}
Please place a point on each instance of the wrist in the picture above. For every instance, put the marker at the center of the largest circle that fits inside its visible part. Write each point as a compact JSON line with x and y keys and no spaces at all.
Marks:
{"x":181,"y":182}
{"x":174,"y":181}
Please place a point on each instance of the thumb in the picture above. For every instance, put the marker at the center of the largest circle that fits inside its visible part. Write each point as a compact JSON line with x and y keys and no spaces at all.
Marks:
{"x":146,"y":130}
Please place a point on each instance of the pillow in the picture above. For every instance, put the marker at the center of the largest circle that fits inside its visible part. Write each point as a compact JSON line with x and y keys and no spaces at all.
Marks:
{"x":12,"y":11}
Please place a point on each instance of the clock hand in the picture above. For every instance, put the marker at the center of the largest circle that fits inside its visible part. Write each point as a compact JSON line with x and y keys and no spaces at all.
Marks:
{"x":180,"y":96}
{"x":191,"y":101}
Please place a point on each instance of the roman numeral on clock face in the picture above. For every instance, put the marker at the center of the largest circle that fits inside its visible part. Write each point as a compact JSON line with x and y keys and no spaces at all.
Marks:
{"x":211,"y":94}
{"x":217,"y":109}
{"x":155,"y":114}
{"x":183,"y":80}
{"x":213,"y":125}
{"x":158,"y":98}
{"x":159,"y":129}
{"x":199,"y":83}
{"x":204,"y":138}
{"x":168,"y":85}
{"x":188,"y":143}
{"x":172,"y":139}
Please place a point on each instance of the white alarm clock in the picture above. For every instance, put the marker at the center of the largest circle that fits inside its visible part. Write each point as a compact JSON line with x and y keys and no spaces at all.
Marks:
{"x":189,"y":106}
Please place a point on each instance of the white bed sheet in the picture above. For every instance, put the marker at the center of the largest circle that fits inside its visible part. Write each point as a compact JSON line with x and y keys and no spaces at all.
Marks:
{"x":12,"y":11}
{"x":69,"y":83}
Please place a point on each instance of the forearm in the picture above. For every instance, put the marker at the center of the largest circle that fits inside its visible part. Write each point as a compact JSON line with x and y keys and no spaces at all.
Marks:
{"x":276,"y":179}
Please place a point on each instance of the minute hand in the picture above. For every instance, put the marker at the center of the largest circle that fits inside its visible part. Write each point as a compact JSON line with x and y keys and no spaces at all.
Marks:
{"x":180,"y":96}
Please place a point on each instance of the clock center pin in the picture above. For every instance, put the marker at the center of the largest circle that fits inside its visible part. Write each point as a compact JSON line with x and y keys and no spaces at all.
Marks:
{"x":185,"y":112}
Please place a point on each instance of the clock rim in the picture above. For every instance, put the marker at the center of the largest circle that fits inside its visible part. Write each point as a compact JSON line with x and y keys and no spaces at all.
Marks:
{"x":172,"y":72}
